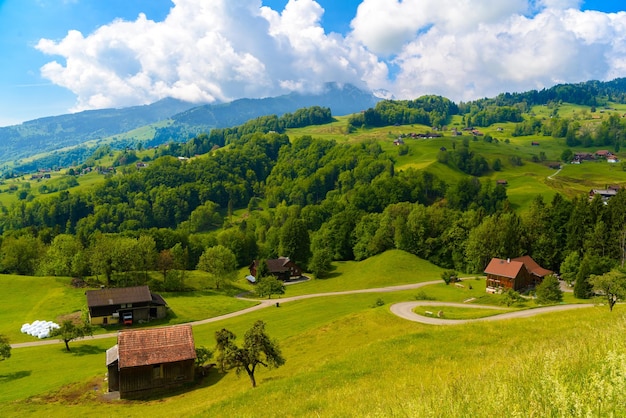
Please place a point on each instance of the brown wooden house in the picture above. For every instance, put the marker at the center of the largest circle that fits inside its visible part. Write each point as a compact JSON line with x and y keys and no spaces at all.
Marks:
{"x":282,"y":267}
{"x":124,"y":305}
{"x":517,"y":274}
{"x":148,"y":360}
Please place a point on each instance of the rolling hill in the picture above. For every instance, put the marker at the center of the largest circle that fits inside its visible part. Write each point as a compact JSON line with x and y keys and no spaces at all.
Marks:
{"x":66,"y":136}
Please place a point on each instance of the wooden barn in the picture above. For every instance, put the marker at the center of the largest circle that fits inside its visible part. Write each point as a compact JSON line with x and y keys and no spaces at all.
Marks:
{"x":124,"y":305}
{"x":148,"y":360}
{"x":282,"y":267}
{"x":517,"y":274}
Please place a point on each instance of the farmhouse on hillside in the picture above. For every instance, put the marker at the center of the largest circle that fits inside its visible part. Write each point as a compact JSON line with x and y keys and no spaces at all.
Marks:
{"x":517,"y":274}
{"x":282,"y":267}
{"x":124,"y":305}
{"x":605,"y":194}
{"x":147,"y":360}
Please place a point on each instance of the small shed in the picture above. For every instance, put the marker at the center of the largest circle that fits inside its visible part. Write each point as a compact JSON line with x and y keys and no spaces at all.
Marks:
{"x":147,"y":360}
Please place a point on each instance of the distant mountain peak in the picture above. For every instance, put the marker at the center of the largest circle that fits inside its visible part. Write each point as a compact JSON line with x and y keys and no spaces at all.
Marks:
{"x":383,"y":94}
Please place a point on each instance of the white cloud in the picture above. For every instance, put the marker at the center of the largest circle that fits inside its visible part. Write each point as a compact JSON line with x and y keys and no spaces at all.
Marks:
{"x":476,"y":48}
{"x":208,"y":50}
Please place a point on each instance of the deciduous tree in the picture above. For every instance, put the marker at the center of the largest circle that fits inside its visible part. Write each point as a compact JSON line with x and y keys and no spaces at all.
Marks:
{"x":549,"y":291}
{"x":220,"y":263}
{"x":258,"y":349}
{"x":612,"y":285}
{"x":268,"y":286}
{"x":69,"y":331}
{"x":5,"y":348}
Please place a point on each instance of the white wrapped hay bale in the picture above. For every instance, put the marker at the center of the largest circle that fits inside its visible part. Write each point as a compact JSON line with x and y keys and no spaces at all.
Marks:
{"x":39,"y":329}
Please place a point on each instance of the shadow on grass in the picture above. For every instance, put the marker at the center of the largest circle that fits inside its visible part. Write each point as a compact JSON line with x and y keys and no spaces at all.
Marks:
{"x":85,"y":350}
{"x":200,"y":382}
{"x":212,"y":377}
{"x":14,"y":376}
{"x":331,"y":274}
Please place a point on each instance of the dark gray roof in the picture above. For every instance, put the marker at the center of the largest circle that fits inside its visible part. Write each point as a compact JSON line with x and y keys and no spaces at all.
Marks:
{"x":278,"y":265}
{"x":118,"y":295}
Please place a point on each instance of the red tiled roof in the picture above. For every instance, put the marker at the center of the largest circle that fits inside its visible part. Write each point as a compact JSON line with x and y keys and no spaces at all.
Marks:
{"x":118,"y":295}
{"x":532,"y":266}
{"x":504,"y":268}
{"x":155,"y":346}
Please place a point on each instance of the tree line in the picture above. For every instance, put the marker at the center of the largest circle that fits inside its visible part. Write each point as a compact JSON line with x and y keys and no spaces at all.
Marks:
{"x":313,"y":200}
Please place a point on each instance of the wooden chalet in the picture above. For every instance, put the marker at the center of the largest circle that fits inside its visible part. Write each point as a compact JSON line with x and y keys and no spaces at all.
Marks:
{"x":124,"y":305}
{"x":605,"y":194}
{"x":149,"y":360}
{"x":282,"y":267}
{"x":517,"y":274}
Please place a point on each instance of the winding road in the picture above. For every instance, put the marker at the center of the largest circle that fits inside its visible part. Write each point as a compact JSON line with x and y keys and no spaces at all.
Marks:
{"x":403,"y":310}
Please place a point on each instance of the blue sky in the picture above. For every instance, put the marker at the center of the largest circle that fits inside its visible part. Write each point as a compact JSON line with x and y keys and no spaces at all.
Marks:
{"x":58,"y":56}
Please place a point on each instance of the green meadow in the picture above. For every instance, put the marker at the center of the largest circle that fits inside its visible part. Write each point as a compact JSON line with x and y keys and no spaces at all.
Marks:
{"x":347,"y":356}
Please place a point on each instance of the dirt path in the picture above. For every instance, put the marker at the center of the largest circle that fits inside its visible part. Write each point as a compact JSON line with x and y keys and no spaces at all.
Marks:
{"x":404,"y":310}
{"x":551,"y":177}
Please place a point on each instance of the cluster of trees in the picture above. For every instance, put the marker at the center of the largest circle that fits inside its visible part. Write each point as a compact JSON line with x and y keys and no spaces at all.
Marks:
{"x":464,"y":159}
{"x":611,"y":132}
{"x":426,"y":110}
{"x":590,"y":93}
{"x":315,"y":115}
{"x":478,"y":116}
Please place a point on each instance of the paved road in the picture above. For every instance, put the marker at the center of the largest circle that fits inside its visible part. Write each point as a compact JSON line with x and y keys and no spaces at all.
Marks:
{"x":404,"y":310}
{"x":261,"y":305}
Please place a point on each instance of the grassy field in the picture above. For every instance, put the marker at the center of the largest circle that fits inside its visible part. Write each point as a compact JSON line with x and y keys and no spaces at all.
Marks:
{"x":346,"y":355}
{"x":452,"y":312}
{"x":349,"y":356}
{"x":371,"y":273}
{"x":26,"y":299}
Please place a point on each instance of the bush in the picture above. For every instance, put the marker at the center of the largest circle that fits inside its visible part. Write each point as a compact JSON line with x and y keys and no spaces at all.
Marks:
{"x":421,"y":295}
{"x":549,"y":291}
{"x":449,"y":276}
{"x":511,"y":297}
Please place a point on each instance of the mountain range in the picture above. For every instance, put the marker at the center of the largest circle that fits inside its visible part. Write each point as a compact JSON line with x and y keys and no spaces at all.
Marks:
{"x":68,"y":134}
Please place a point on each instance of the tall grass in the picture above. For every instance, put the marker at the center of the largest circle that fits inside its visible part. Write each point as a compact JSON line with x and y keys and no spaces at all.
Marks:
{"x":346,"y":358}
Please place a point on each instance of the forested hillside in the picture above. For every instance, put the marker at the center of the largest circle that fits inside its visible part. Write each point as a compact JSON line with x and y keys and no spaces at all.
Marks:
{"x":61,"y":141}
{"x":261,"y":194}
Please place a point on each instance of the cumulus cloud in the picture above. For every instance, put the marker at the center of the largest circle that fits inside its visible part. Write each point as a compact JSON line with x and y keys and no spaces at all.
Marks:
{"x":219,"y":50}
{"x":479,"y":48}
{"x":206,"y":51}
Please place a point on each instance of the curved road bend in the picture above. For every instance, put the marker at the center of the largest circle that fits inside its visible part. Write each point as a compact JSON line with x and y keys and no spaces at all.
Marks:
{"x":405,"y":310}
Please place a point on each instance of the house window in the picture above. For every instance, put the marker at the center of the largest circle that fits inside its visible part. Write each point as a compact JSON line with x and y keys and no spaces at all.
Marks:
{"x":157,"y":371}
